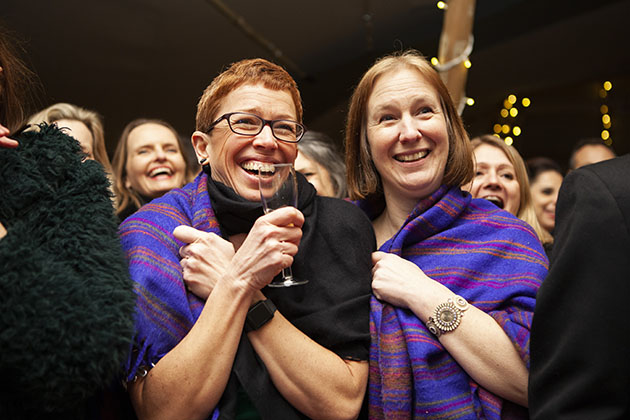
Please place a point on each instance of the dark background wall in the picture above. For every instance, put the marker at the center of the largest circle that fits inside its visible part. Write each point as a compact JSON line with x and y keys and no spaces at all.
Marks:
{"x":149,"y":58}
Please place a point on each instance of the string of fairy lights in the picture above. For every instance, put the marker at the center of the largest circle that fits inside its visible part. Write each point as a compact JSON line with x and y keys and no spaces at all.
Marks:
{"x":507,"y":127}
{"x":605,"y":111}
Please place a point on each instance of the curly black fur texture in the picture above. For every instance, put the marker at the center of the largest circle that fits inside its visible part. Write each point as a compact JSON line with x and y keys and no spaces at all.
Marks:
{"x":66,"y":300}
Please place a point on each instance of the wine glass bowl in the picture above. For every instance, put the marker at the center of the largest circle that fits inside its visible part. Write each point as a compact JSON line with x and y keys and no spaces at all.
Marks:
{"x":278,"y":188}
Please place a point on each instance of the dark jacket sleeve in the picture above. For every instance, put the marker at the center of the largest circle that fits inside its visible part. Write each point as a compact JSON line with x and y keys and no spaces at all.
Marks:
{"x":580,"y":367}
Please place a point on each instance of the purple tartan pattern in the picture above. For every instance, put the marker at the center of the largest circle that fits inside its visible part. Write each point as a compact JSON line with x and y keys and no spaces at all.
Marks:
{"x":484,"y":254}
{"x":164,"y":311}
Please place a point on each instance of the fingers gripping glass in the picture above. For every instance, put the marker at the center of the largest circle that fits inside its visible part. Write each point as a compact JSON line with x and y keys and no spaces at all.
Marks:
{"x":246,"y":124}
{"x":278,"y":188}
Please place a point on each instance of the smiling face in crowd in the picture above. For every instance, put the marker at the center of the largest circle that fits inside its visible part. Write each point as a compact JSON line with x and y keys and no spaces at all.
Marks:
{"x":495,"y":179}
{"x":544,"y":190}
{"x":407,"y":134}
{"x":235,"y":158}
{"x":155,"y":163}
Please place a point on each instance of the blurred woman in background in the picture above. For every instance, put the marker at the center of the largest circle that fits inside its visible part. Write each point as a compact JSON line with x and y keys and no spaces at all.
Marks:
{"x":501,"y":178}
{"x":83,"y":124}
{"x":545,"y":179}
{"x":322,"y":165}
{"x":149,"y":161}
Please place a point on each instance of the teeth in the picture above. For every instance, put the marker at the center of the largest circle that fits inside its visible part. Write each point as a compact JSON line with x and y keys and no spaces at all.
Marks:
{"x":159,"y":171}
{"x":254,"y":166}
{"x":495,"y":200}
{"x":412,"y":157}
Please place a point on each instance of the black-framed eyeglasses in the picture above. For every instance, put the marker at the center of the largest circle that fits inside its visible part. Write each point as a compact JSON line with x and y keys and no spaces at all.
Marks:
{"x":246,"y":124}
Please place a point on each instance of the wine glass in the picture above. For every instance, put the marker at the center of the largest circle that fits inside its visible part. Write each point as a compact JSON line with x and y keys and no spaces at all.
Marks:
{"x":278,"y":188}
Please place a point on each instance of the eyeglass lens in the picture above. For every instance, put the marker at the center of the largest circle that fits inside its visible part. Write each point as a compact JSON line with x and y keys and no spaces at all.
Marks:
{"x":250,"y":125}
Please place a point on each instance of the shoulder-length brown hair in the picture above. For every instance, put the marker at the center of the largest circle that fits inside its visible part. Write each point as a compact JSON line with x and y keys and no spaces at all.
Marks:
{"x":363,"y":178}
{"x":126,"y":197}
{"x":526,"y":211}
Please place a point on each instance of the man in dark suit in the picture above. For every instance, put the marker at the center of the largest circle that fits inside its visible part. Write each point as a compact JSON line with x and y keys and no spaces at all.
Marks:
{"x":580,"y":354}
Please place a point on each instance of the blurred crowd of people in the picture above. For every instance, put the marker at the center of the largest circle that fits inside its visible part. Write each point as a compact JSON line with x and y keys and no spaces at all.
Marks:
{"x":424,"y":252}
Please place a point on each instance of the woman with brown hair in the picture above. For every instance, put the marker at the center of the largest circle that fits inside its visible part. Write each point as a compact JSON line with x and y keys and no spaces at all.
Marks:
{"x":149,"y":161}
{"x":455,"y":279}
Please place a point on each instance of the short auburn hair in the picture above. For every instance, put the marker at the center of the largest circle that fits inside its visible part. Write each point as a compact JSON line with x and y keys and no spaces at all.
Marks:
{"x":363,"y":178}
{"x":245,"y":72}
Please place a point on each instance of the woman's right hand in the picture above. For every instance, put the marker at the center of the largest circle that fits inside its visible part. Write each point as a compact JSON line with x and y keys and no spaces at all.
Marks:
{"x":4,"y":140}
{"x":205,"y":258}
{"x":269,"y":247}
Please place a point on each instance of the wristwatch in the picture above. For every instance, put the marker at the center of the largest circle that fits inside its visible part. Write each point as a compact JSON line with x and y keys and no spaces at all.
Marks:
{"x":447,"y":316}
{"x":259,"y":315}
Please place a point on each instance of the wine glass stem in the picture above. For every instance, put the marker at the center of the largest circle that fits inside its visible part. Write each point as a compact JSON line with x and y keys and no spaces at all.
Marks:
{"x":287,"y":274}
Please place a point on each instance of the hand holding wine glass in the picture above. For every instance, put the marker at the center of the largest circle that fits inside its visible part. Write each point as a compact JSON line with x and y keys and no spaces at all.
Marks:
{"x":278,"y":188}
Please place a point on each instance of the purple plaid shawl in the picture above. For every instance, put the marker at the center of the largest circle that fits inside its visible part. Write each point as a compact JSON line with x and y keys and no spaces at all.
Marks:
{"x":484,"y":254}
{"x":332,"y":309}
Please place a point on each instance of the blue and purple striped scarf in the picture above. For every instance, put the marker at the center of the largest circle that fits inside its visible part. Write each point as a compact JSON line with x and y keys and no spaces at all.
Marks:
{"x":480,"y":252}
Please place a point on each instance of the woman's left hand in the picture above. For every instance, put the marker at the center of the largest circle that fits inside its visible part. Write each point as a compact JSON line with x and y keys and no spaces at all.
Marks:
{"x":205,"y":258}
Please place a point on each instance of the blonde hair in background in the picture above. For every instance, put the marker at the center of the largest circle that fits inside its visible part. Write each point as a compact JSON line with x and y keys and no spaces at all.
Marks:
{"x":92,"y":120}
{"x":526,"y":211}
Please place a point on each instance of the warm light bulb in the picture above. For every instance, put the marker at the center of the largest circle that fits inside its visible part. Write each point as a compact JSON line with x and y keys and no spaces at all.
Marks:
{"x":507,"y":104}
{"x":441,"y":5}
{"x":508,"y":140}
{"x":606,"y":119}
{"x":607,"y":85}
{"x":603,"y":109}
{"x":512,"y":99}
{"x":608,"y":142}
{"x":516,"y":131}
{"x":526,"y":102}
{"x":467,"y":64}
{"x":435,"y":61}
{"x":470,"y":101}
{"x":603,"y":93}
{"x":607,"y":125}
{"x":605,"y":134}
{"x":497,"y":128}
{"x":504,"y":113}
{"x":513,"y":112}
{"x":505,"y":128}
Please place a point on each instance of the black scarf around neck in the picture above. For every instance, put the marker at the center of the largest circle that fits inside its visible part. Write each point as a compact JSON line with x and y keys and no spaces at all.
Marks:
{"x":237,"y":215}
{"x":337,"y":265}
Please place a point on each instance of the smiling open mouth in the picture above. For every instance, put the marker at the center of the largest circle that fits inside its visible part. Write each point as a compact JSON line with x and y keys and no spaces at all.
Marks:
{"x":497,"y":201}
{"x":252,"y":167}
{"x":160,"y":171}
{"x":411,"y":157}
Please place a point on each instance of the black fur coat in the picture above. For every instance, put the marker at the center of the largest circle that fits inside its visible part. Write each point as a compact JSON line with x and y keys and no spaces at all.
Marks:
{"x":66,"y":301}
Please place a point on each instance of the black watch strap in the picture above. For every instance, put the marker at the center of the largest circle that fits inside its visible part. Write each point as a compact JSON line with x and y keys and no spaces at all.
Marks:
{"x":259,"y":314}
